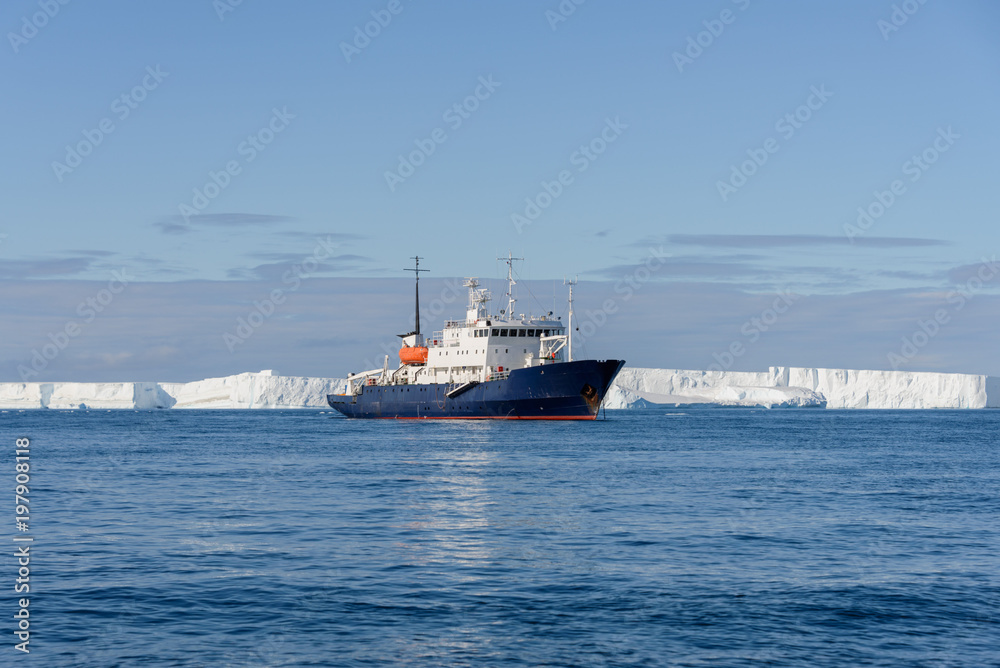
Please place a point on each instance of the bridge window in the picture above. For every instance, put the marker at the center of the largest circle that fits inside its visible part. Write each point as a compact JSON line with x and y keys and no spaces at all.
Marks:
{"x":522,"y":332}
{"x":503,"y":332}
{"x":496,"y":332}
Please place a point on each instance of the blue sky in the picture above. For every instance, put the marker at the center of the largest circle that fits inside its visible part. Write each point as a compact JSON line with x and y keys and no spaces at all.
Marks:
{"x":309,"y":136}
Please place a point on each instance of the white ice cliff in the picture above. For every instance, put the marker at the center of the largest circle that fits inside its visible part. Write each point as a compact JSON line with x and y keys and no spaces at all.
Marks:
{"x":634,"y":388}
{"x":794,"y":386}
{"x":246,"y":390}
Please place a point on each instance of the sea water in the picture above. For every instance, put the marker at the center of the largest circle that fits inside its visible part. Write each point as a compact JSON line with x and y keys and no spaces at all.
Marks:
{"x":660,"y":537}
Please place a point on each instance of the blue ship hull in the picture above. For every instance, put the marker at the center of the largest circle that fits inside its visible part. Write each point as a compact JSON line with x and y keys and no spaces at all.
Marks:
{"x":562,"y":391}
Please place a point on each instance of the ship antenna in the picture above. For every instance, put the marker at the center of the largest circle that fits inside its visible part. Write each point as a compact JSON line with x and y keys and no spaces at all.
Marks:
{"x":416,"y":271}
{"x":570,"y":341}
{"x":510,"y":283}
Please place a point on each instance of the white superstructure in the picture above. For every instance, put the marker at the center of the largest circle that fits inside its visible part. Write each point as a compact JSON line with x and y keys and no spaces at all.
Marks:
{"x":484,"y":346}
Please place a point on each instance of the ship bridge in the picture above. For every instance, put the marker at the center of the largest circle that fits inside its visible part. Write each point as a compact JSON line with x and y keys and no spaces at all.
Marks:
{"x":484,"y":346}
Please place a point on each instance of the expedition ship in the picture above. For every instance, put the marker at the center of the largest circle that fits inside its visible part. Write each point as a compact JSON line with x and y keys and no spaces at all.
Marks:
{"x":501,"y":366}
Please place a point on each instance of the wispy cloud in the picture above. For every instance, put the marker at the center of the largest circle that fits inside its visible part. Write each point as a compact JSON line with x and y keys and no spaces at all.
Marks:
{"x":790,"y":240}
{"x":745,"y":268}
{"x":686,"y":268}
{"x":173,"y":227}
{"x":180,"y":225}
{"x":935,"y":276}
{"x":146,"y":266}
{"x":342,"y":237}
{"x":285,"y":262}
{"x":47,"y":268}
{"x":93,"y":253}
{"x":967,"y":272}
{"x":291,"y":258}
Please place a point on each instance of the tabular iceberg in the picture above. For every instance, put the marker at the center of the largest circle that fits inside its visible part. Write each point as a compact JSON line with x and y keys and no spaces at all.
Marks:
{"x":245,"y":390}
{"x":795,"y":386}
{"x":634,"y":388}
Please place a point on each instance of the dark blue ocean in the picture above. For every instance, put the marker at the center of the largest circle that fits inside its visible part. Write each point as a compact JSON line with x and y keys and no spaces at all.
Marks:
{"x":667,"y":537}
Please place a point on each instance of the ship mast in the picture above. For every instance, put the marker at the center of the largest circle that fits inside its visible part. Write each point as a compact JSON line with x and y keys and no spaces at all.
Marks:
{"x":569,"y":352}
{"x":416,"y":271}
{"x":510,"y":283}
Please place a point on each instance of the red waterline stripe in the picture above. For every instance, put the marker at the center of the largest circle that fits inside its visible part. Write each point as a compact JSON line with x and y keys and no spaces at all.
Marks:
{"x":491,"y":417}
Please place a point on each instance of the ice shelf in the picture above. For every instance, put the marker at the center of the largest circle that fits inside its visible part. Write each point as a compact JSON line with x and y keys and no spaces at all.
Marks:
{"x":634,"y":388}
{"x":796,"y":386}
{"x":245,"y":390}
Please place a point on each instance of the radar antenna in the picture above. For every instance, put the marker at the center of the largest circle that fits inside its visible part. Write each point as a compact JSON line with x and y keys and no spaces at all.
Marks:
{"x":510,"y":282}
{"x":416,"y":271}
{"x":569,"y":343}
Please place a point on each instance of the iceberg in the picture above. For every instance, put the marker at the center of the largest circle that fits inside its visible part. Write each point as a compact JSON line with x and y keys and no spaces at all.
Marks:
{"x":254,"y":390}
{"x":246,"y":390}
{"x":778,"y":387}
{"x":618,"y":397}
{"x":100,"y":395}
{"x":795,"y":386}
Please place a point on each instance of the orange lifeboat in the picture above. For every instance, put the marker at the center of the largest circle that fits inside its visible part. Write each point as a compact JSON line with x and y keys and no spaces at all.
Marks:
{"x":413,"y":355}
